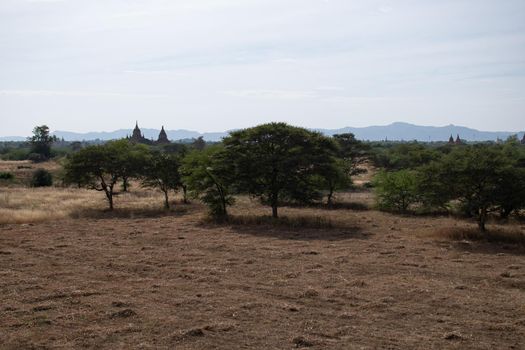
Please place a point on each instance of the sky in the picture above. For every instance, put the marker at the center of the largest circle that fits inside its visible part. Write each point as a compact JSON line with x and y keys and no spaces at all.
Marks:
{"x":215,"y":65}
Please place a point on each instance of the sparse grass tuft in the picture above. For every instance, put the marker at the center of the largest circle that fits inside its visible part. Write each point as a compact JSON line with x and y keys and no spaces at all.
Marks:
{"x":473,"y":234}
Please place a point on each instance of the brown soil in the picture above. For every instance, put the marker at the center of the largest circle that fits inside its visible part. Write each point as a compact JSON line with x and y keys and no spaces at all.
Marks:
{"x":173,"y":282}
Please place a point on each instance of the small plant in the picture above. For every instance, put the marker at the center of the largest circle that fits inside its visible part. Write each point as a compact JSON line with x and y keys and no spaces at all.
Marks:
{"x":41,"y":178}
{"x":6,"y":176}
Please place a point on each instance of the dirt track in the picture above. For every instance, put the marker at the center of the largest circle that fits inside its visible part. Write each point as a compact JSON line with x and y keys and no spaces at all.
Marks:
{"x":172,"y":282}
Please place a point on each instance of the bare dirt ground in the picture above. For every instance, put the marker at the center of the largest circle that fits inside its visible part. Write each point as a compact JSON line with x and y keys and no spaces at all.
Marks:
{"x":172,"y":282}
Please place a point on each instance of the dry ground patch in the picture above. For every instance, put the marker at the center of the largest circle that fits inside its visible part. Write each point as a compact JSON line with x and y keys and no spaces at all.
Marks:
{"x":175,"y":281}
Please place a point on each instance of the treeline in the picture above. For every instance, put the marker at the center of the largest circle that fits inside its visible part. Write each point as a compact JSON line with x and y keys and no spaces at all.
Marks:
{"x":280,"y":164}
{"x":472,"y":180}
{"x":276,"y":163}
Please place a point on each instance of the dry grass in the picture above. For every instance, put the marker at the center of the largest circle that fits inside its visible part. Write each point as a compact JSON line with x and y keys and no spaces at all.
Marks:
{"x":499,"y":235}
{"x":23,"y":170}
{"x":20,"y":205}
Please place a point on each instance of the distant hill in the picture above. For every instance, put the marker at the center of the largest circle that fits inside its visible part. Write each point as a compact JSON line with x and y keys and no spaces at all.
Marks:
{"x":407,"y":132}
{"x":12,"y":138}
{"x":394,"y":132}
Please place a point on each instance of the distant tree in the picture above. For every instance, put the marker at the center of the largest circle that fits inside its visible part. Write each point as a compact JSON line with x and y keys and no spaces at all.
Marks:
{"x":41,"y":178}
{"x":396,"y":190}
{"x":338,"y":169}
{"x":208,"y":175}
{"x":101,"y":167}
{"x":199,"y":143}
{"x":481,"y":177}
{"x":277,"y":162}
{"x":353,"y":153}
{"x":334,"y":176}
{"x":162,"y":171}
{"x":41,"y":143}
{"x":132,"y":158}
{"x":404,"y":155}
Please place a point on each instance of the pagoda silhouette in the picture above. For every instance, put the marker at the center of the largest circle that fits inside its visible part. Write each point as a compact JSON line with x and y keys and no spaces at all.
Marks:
{"x":138,"y":137}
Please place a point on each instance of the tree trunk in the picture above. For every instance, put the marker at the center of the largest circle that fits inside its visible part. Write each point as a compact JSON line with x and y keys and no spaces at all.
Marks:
{"x":482,"y":218}
{"x":330,"y":196}
{"x":109,"y":195}
{"x":166,"y":200}
{"x":125,"y":184}
{"x":185,"y":194}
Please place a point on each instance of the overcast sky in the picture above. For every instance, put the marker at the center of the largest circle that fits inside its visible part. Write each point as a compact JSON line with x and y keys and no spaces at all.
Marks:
{"x":213,"y":65}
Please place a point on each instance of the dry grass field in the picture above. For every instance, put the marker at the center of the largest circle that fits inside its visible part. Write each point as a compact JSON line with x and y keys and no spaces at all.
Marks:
{"x":74,"y":276}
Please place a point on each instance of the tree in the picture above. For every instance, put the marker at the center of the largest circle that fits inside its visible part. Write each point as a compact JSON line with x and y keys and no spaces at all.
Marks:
{"x":480,"y":177}
{"x":277,"y":162}
{"x":208,"y":177}
{"x":199,"y":143}
{"x":132,"y":158}
{"x":41,"y":178}
{"x":101,"y":167}
{"x":41,"y":142}
{"x":396,"y":190}
{"x":353,"y":153}
{"x":337,"y":171}
{"x":162,"y":171}
{"x":335,"y":175}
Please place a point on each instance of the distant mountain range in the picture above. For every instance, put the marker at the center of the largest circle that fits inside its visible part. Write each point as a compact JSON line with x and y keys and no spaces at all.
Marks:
{"x":394,"y":132}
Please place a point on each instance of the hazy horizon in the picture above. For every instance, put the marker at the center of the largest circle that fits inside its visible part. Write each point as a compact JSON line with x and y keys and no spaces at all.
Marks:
{"x":215,"y":65}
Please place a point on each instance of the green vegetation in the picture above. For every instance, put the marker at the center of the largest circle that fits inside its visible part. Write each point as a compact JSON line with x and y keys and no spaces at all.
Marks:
{"x":277,"y":162}
{"x":6,"y":176}
{"x":208,"y":175}
{"x":161,"y":170}
{"x":477,"y":179}
{"x":284,"y":165}
{"x":41,"y":143}
{"x":396,"y":190}
{"x":41,"y":178}
{"x":101,"y":167}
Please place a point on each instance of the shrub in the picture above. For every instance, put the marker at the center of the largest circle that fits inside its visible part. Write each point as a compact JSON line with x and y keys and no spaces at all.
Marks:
{"x":396,"y":190}
{"x":6,"y":176}
{"x":41,"y":178}
{"x":36,"y":158}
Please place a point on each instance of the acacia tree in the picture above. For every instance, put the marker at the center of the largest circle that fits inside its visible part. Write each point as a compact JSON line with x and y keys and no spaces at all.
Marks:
{"x":208,"y":175}
{"x":479,"y":176}
{"x":337,"y":172}
{"x":41,"y":142}
{"x":101,"y":167}
{"x":162,"y":171}
{"x":276,"y":162}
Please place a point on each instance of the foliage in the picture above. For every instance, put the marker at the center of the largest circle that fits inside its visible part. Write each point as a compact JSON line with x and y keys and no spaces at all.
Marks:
{"x":403,"y":155}
{"x":208,"y":176}
{"x":6,"y":176}
{"x":337,"y":171}
{"x":41,"y":143}
{"x":396,"y":190}
{"x":161,"y":171}
{"x":277,"y":162}
{"x":41,"y":178}
{"x":101,"y":167}
{"x":482,"y":178}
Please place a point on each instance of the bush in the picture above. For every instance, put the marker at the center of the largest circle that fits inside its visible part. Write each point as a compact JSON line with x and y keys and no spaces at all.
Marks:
{"x":36,"y":158}
{"x":396,"y":190}
{"x":6,"y":176}
{"x":41,"y":178}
